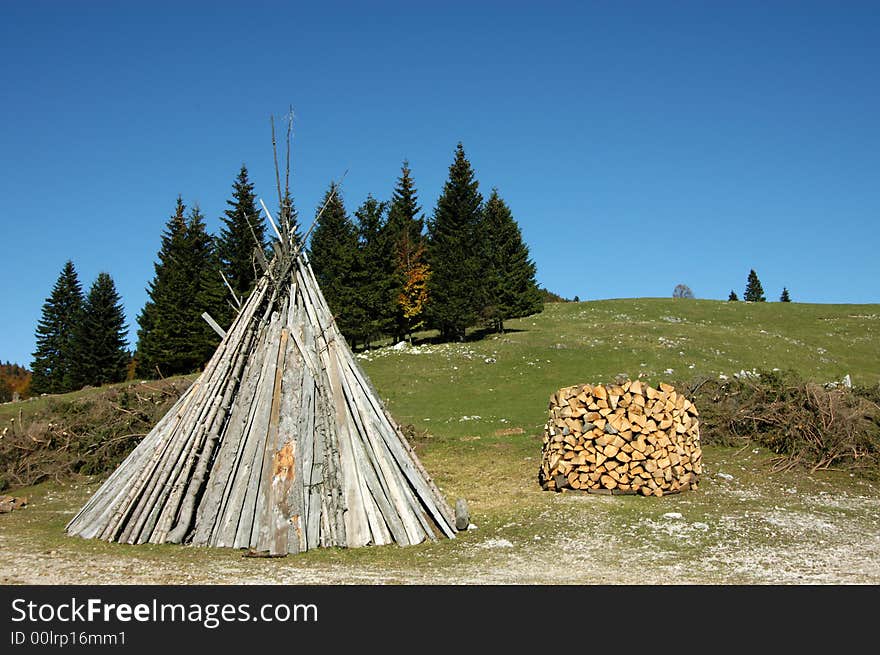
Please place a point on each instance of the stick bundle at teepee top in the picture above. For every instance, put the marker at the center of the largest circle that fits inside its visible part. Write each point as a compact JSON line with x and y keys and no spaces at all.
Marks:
{"x":280,"y":445}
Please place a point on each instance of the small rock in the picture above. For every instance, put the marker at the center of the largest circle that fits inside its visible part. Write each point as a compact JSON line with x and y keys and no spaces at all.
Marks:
{"x":672,"y":515}
{"x":462,"y":514}
{"x":724,"y":476}
{"x":471,"y":526}
{"x":701,"y":526}
{"x":847,"y":381}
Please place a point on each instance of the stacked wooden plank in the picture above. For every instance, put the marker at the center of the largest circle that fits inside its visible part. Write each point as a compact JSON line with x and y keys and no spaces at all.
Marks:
{"x":621,"y":439}
{"x":280,"y":445}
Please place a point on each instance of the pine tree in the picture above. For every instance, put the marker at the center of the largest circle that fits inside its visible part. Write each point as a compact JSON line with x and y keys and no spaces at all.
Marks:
{"x":732,"y":297}
{"x":404,"y":252}
{"x":754,"y":291}
{"x":289,"y":218}
{"x":512,"y":290}
{"x":373,"y":257}
{"x":160,"y":322}
{"x":243,"y":228}
{"x":209,"y":292}
{"x":100,"y":340}
{"x":784,"y":297}
{"x":173,"y":338}
{"x":336,"y":260}
{"x":456,"y":253}
{"x":54,"y":359}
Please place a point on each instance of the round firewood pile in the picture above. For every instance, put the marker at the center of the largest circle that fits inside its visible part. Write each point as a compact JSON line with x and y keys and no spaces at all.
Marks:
{"x":621,"y":439}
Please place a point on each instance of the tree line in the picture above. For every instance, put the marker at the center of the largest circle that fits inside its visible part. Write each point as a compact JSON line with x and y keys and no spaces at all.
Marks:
{"x":754,"y":292}
{"x":390,"y":271}
{"x":386,"y":272}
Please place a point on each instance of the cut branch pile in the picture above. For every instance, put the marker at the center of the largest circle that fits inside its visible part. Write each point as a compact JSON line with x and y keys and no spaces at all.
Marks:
{"x":621,"y":439}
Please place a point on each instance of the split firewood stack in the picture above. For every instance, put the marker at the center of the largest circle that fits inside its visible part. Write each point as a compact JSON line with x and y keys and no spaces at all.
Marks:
{"x":621,"y":439}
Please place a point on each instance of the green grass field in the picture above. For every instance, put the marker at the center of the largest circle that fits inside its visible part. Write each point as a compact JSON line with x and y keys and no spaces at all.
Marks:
{"x":501,"y":384}
{"x":478,"y":410}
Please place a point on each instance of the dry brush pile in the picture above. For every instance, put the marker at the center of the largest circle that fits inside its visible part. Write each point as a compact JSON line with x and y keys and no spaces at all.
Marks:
{"x":809,"y":426}
{"x":87,"y":434}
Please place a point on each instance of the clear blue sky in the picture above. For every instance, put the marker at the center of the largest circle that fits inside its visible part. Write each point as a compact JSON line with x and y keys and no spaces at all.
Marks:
{"x":639,"y":144}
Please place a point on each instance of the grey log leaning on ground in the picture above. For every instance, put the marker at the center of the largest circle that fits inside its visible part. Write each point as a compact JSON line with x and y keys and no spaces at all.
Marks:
{"x":621,"y":439}
{"x":280,"y":445}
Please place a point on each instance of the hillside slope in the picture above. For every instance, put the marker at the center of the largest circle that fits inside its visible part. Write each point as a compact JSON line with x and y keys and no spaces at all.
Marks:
{"x":505,"y":381}
{"x":475,"y":411}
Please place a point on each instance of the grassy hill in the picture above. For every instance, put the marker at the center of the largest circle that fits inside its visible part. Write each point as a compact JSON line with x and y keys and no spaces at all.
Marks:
{"x":476,"y":411}
{"x":507,"y":379}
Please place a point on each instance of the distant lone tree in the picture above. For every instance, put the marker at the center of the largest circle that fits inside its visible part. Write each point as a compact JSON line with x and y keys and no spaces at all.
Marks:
{"x":784,"y":297}
{"x":754,"y":290}
{"x":732,"y":297}
{"x":682,"y":291}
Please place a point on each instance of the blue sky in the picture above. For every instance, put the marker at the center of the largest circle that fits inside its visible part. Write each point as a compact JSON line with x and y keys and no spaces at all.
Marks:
{"x":639,"y":144}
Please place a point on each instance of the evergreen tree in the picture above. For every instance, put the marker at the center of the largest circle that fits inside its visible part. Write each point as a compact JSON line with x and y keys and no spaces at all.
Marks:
{"x":456,"y":253}
{"x":54,"y":359}
{"x":208,"y":292}
{"x":336,"y":260}
{"x":371,"y":294}
{"x":161,"y":327}
{"x":512,"y":290}
{"x":784,"y":297}
{"x":404,"y":254}
{"x":732,"y":297}
{"x":243,"y":228}
{"x":173,"y":338}
{"x":754,"y":290}
{"x":100,"y":341}
{"x":289,"y":218}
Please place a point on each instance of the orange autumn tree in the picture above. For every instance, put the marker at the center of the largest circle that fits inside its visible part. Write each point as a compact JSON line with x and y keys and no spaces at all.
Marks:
{"x":415,"y":273}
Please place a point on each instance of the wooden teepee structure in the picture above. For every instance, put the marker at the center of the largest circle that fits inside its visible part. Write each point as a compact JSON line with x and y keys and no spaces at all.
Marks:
{"x":280,"y":445}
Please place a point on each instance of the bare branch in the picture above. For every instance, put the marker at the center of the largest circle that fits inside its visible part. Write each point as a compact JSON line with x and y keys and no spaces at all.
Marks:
{"x":229,"y":286}
{"x":275,"y":157}
{"x":274,"y":227}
